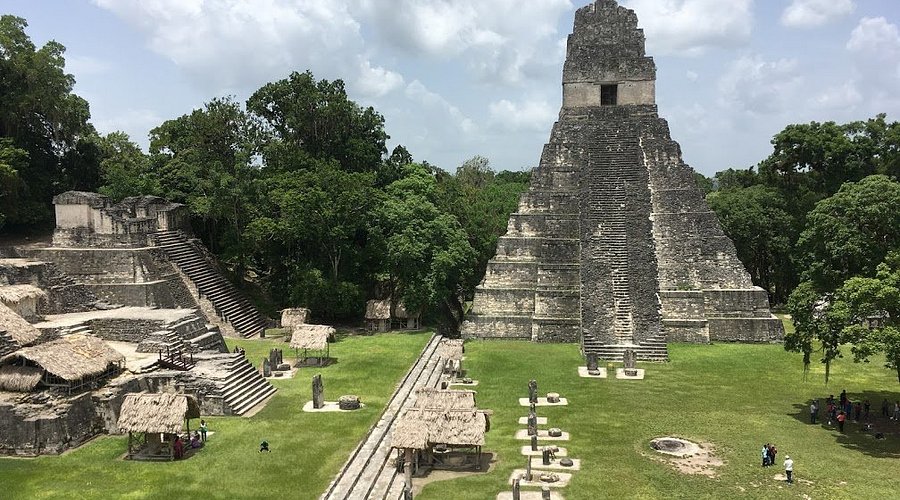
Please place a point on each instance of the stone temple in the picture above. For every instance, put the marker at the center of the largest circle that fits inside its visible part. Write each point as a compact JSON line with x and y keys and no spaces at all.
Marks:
{"x":613,"y":245}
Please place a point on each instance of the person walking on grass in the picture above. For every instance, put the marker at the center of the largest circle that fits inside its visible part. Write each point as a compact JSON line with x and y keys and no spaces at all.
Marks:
{"x":867,"y":406}
{"x":813,"y":411}
{"x":884,"y":408}
{"x":789,"y":469}
{"x":840,"y":419}
{"x":897,"y":411}
{"x":203,"y":430}
{"x":765,"y":455}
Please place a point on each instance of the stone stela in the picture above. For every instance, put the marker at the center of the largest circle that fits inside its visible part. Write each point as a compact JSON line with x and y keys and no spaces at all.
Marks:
{"x":613,"y":244}
{"x":318,"y":392}
{"x":532,"y":391}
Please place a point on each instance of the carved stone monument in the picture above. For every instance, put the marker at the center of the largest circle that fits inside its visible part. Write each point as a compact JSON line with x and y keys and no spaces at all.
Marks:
{"x":629,"y":358}
{"x":534,"y":443}
{"x":532,"y":424}
{"x":528,"y":476}
{"x":613,"y":244}
{"x":516,"y":489}
{"x":318,"y":392}
{"x":532,"y":391}
{"x":266,"y":368}
{"x":545,"y":456}
{"x":545,"y":493}
{"x":592,"y":367}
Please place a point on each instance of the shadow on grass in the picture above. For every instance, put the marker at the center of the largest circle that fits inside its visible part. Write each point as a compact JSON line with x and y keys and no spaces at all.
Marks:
{"x":856,"y":436}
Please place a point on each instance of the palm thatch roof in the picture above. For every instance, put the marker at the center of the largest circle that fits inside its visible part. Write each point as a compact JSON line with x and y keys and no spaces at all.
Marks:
{"x":19,"y":378}
{"x":401,"y":312}
{"x":71,"y":358}
{"x":294,"y":316}
{"x":446,"y":399}
{"x":313,"y":337}
{"x":163,"y":413}
{"x":15,"y":293}
{"x":451,"y":349}
{"x":378,"y":309}
{"x":420,"y":428}
{"x":22,"y":332}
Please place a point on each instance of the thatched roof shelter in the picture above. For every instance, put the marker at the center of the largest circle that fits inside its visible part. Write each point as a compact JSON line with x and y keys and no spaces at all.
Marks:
{"x":70,"y":358}
{"x":16,"y":293}
{"x":446,"y":399}
{"x":20,"y":331}
{"x":157,"y":413}
{"x":19,"y":378}
{"x":451,"y":349}
{"x":421,"y":428}
{"x":378,"y":309}
{"x":314,"y":337}
{"x":401,"y":312}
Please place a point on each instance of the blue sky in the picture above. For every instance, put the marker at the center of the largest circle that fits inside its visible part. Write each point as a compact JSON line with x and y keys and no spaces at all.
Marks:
{"x":459,"y":78}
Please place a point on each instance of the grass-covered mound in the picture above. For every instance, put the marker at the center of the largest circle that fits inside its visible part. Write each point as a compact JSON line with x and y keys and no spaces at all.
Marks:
{"x":737,"y":397}
{"x":308,"y":449}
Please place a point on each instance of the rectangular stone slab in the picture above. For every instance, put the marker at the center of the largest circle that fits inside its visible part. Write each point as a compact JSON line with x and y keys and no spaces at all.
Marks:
{"x":554,"y":464}
{"x":528,"y":495}
{"x":528,"y":452}
{"x":583,"y":372}
{"x":543,"y":402}
{"x":564,"y":479}
{"x":542,"y":434}
{"x":620,"y":374}
{"x":540,"y":420}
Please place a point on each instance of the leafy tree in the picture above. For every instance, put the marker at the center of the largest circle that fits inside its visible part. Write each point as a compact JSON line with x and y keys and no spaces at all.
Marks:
{"x":735,"y":179}
{"x":318,"y":117}
{"x":850,"y":233}
{"x":41,"y":116}
{"x":874,"y":313}
{"x":816,"y":321}
{"x":428,"y":255}
{"x":125,"y":169}
{"x":757,"y":221}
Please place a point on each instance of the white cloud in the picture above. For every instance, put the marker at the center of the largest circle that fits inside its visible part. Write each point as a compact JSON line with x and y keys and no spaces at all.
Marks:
{"x":811,"y":13}
{"x":875,"y":36}
{"x":501,"y":41}
{"x":756,"y":86}
{"x":691,"y":75}
{"x":838,"y":97}
{"x":420,"y":94}
{"x":376,"y":81}
{"x":690,"y":27}
{"x":528,"y":115}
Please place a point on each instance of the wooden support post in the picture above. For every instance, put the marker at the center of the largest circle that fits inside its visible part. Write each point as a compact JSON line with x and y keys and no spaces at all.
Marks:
{"x":407,"y":468}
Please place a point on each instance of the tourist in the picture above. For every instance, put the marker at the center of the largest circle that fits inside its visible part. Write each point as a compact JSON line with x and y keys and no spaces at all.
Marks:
{"x":831,"y":412}
{"x":843,"y":397}
{"x":840,"y":420}
{"x":885,"y":412}
{"x":772,"y":452}
{"x":765,"y":455}
{"x":857,"y":411}
{"x":203,"y":430}
{"x":866,"y":407}
{"x":264,"y":446}
{"x":195,"y":440}
{"x":813,"y":411}
{"x":897,"y":411}
{"x":178,"y":448}
{"x":789,"y":469}
{"x":848,"y":408}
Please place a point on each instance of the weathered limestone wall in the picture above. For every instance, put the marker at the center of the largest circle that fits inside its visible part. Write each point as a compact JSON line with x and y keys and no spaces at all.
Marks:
{"x":34,"y":429}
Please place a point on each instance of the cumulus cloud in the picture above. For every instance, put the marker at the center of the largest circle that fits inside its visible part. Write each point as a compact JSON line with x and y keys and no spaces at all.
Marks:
{"x":754,"y":85}
{"x":502,"y":41}
{"x":236,"y":44}
{"x":811,"y":13}
{"x":690,"y":27}
{"x":420,"y":94}
{"x":535,"y":115}
{"x":875,"y":36}
{"x":842,"y":96}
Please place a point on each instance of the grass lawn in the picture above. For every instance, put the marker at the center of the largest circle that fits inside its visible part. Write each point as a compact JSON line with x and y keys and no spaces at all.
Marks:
{"x":737,"y":397}
{"x":734,"y":396}
{"x":307,"y":448}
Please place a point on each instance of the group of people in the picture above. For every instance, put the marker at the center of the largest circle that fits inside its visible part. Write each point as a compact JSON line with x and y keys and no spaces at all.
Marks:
{"x":769,"y":452}
{"x":195,"y":440}
{"x":842,"y":409}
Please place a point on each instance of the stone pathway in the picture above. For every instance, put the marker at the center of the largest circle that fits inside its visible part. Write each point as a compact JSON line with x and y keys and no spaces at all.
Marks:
{"x":368,"y":473}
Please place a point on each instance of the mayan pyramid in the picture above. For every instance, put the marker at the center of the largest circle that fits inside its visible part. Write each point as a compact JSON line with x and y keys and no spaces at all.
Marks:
{"x":613,"y":245}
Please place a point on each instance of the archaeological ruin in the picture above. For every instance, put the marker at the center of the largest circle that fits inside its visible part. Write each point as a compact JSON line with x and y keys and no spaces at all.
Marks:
{"x":122,"y":301}
{"x":613,"y":245}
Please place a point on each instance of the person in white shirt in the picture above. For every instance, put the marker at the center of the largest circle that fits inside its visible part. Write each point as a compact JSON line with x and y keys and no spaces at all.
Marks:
{"x":789,"y":468}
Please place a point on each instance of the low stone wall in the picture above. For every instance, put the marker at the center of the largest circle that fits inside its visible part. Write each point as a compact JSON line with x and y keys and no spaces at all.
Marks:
{"x":556,"y":330}
{"x":29,"y":429}
{"x":746,"y":329}
{"x":125,"y":330}
{"x":686,"y":330}
{"x":506,"y":327}
{"x":147,"y":294}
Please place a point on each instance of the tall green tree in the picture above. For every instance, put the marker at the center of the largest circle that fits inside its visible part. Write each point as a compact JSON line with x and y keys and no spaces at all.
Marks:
{"x":318,"y":117}
{"x":40,"y":115}
{"x":125,"y":169}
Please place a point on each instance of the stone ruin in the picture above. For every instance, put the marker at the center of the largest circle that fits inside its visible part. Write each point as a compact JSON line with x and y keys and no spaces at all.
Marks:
{"x":613,"y":244}
{"x":118,"y":274}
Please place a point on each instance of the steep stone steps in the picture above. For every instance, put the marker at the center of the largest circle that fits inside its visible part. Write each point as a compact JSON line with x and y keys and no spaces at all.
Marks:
{"x":244,"y":387}
{"x":229,"y":304}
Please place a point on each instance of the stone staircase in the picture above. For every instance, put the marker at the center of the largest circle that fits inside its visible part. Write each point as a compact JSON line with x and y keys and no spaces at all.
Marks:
{"x":229,"y":304}
{"x":244,"y":387}
{"x":651,"y":349}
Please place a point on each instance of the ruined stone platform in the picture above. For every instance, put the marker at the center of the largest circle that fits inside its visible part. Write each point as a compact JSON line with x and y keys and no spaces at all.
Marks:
{"x":543,"y":402}
{"x":543,"y":435}
{"x":330,"y":406}
{"x":620,"y":374}
{"x":564,"y":479}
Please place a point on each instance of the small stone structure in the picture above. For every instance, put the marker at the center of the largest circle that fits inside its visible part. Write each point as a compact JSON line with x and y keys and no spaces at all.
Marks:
{"x":613,"y":244}
{"x":349,"y":402}
{"x":532,"y":391}
{"x":629,"y":359}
